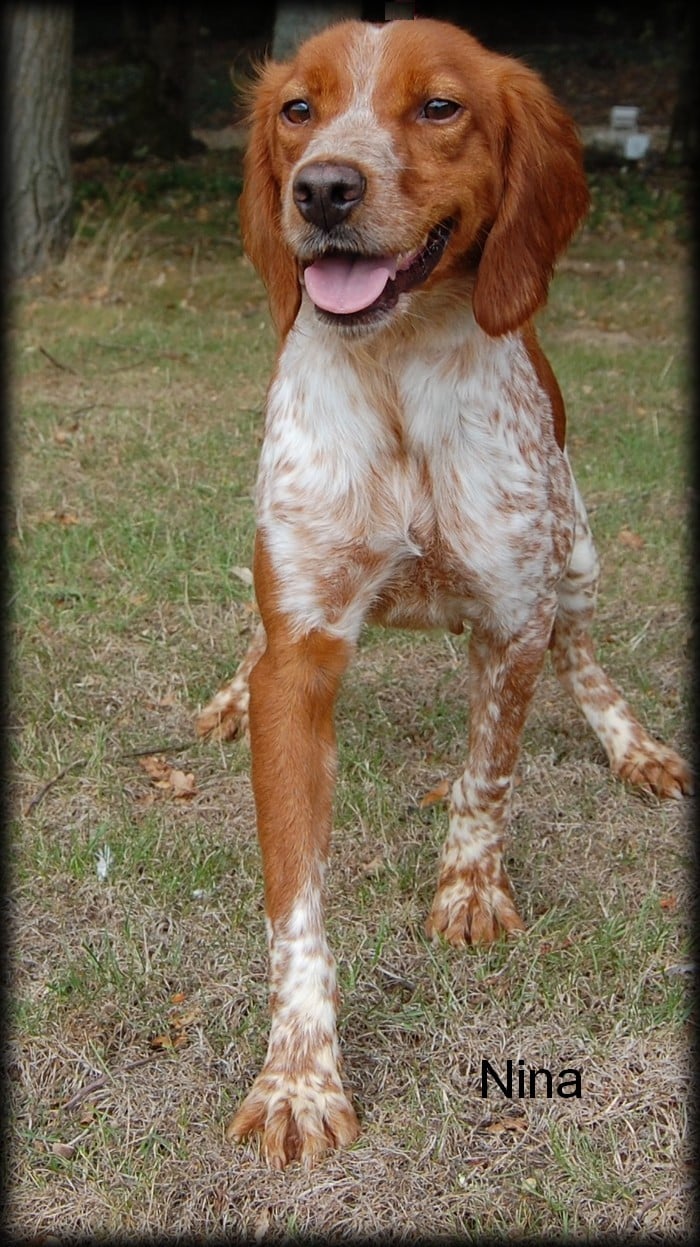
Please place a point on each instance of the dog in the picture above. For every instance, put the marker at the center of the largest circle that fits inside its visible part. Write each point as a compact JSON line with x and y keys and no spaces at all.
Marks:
{"x":406,"y":196}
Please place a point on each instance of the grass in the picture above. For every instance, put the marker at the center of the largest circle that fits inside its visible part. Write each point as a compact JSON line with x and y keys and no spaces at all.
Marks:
{"x":141,"y":365}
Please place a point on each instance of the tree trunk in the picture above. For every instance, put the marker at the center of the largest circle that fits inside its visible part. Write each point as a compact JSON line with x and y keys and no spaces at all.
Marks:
{"x":38,"y":43}
{"x":296,"y":20}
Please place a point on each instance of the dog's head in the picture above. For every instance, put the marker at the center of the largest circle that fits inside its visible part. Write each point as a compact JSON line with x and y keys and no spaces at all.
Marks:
{"x":384,"y":159}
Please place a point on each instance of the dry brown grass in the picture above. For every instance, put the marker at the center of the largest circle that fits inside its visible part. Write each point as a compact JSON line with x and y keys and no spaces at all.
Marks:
{"x":136,"y":461}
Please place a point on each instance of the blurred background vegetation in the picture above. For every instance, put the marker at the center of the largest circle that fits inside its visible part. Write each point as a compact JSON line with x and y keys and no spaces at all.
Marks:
{"x":95,"y":91}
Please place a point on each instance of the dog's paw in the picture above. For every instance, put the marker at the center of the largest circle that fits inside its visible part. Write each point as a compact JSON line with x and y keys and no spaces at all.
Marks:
{"x":472,"y":907}
{"x":225,"y":717}
{"x":654,"y":767}
{"x":298,"y":1117}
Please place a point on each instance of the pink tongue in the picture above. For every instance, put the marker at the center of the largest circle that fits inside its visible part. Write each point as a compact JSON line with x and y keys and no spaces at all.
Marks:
{"x":342,"y":284}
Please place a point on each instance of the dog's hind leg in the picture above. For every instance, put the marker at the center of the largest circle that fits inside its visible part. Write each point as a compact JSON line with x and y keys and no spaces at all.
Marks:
{"x":226,"y":716}
{"x":634,"y":755}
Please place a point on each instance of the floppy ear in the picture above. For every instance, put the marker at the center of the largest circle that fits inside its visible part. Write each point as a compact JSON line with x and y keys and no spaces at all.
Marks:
{"x":260,"y":204}
{"x":545,"y":197}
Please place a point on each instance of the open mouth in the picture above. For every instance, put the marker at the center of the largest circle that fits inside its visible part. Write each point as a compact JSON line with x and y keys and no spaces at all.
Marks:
{"x":353,"y":289}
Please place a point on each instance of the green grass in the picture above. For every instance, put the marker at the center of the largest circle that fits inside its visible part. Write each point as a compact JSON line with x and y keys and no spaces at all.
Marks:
{"x":629,"y":200}
{"x":136,"y":447}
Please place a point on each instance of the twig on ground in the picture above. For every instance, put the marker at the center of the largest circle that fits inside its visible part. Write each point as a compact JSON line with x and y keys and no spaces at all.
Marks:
{"x":167,"y":747}
{"x":98,"y":1083}
{"x":39,"y":796}
{"x":57,"y":363}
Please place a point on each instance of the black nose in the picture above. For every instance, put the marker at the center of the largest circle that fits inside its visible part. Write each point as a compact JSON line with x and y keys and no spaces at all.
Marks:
{"x":325,"y":193}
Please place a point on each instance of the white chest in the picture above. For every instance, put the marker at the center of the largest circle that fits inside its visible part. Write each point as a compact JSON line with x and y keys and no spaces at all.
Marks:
{"x":433,"y":478}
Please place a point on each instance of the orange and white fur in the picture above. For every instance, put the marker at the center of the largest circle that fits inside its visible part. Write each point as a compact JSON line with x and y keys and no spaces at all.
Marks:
{"x":407,"y":194}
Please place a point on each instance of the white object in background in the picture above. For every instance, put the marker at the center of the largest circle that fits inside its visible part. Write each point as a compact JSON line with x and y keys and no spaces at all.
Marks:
{"x":624,"y":117}
{"x":635,"y":146}
{"x":104,"y":861}
{"x":622,"y":135}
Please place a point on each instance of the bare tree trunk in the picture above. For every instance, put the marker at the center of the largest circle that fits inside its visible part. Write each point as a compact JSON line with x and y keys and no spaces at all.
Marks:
{"x":38,"y":46}
{"x":296,"y":20}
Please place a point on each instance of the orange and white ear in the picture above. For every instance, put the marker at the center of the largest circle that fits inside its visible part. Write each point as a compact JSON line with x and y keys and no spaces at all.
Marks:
{"x":545,"y":198}
{"x":260,"y":203}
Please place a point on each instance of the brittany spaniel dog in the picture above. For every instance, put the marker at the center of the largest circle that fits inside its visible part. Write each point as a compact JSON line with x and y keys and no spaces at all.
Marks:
{"x":407,"y":194}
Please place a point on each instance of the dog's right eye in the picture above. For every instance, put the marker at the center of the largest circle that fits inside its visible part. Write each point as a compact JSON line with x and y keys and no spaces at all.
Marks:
{"x":297,"y":112}
{"x":440,"y":110}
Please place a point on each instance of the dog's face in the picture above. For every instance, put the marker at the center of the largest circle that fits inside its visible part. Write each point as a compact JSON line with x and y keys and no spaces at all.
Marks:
{"x":385,"y":159}
{"x":373,"y":195}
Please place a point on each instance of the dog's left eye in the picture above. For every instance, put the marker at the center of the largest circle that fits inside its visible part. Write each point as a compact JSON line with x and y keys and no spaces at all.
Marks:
{"x":296,"y":112}
{"x":440,"y":110}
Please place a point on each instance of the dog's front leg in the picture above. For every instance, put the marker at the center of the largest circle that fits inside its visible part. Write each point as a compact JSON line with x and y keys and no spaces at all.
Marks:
{"x":474,"y":898}
{"x":297,"y":1103}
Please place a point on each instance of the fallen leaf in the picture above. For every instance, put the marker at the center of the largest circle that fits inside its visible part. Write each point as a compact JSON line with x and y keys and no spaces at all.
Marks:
{"x":439,"y":793}
{"x":155,"y":767}
{"x":159,"y":1042}
{"x":627,"y":537}
{"x":373,"y":867}
{"x":178,"y":997}
{"x":183,"y":784}
{"x":164,"y":1043}
{"x":66,"y":518}
{"x":244,"y":574}
{"x":181,"y":1020}
{"x":518,"y":1124}
{"x":65,"y":1150}
{"x":548,"y":946}
{"x":177,"y":1025}
{"x":669,"y":902}
{"x":167,"y":778}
